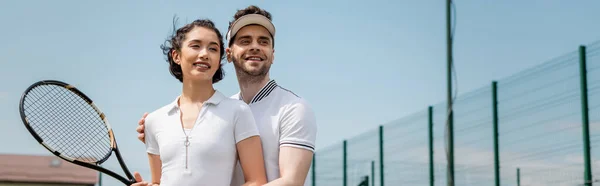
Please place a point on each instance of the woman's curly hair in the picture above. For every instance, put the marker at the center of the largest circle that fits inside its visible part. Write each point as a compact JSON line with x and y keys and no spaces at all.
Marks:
{"x":175,"y":41}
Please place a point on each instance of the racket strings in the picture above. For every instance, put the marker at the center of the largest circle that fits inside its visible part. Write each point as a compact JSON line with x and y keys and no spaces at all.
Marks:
{"x":37,"y":113}
{"x":90,"y":111}
{"x":67,"y":123}
{"x":80,"y":149}
{"x":59,"y":128}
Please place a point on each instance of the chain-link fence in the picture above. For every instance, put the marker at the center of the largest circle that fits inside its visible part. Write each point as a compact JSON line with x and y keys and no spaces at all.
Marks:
{"x":546,"y":119}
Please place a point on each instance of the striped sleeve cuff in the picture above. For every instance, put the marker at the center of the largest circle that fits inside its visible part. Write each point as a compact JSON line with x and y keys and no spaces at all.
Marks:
{"x":301,"y":145}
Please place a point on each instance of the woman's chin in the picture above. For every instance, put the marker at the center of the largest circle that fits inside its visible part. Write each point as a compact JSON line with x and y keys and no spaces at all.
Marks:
{"x":201,"y":78}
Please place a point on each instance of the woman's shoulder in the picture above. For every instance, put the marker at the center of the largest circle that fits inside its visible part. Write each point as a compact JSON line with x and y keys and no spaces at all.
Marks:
{"x":161,"y":112}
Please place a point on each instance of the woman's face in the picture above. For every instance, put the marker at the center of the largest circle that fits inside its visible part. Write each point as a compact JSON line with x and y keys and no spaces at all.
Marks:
{"x":199,"y":55}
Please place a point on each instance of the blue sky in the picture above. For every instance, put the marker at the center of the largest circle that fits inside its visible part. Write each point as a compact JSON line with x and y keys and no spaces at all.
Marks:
{"x":359,"y":63}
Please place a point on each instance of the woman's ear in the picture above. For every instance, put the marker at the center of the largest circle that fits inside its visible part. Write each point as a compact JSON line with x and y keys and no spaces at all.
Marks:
{"x":175,"y":56}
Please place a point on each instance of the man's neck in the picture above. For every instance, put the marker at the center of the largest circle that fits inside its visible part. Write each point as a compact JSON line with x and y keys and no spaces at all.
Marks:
{"x":249,"y":88}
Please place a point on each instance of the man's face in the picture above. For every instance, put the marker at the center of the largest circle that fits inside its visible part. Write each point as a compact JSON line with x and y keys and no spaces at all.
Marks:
{"x":252,"y":51}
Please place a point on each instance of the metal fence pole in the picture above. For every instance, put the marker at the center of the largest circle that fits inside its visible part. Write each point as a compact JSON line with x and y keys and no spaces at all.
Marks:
{"x":585,"y":118}
{"x":495,"y":122}
{"x":100,"y":177}
{"x":314,"y":172}
{"x":431,"y":171}
{"x":381,"y":173}
{"x":373,"y":173}
{"x":518,"y":177}
{"x":450,"y":174}
{"x":345,"y":163}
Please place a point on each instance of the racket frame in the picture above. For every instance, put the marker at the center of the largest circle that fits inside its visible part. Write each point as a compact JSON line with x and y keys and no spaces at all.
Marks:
{"x":113,"y":144}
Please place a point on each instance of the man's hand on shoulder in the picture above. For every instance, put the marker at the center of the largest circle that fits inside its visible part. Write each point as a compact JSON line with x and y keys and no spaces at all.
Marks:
{"x":140,"y":128}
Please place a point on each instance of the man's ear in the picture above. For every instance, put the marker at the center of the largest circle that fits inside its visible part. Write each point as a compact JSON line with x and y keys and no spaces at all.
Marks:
{"x":273,"y":57}
{"x":175,"y":56}
{"x":228,"y":54}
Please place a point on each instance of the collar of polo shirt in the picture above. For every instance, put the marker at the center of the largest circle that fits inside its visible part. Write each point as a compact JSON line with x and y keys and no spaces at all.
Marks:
{"x":215,"y":99}
{"x":263,"y":92}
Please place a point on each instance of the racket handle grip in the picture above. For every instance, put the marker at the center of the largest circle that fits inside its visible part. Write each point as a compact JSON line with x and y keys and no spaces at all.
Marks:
{"x":132,"y":181}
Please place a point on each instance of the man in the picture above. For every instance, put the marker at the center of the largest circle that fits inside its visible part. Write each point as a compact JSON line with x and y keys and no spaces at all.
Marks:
{"x":286,"y":123}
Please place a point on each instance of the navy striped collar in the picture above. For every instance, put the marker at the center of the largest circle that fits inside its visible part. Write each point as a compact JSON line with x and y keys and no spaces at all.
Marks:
{"x":263,"y":93}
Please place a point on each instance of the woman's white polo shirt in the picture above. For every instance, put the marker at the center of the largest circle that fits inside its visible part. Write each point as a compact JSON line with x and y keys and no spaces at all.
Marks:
{"x":211,"y":155}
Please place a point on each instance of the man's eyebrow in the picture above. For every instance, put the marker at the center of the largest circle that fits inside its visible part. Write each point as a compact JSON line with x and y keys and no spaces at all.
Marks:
{"x":264,"y":37}
{"x":244,"y":37}
{"x":259,"y":37}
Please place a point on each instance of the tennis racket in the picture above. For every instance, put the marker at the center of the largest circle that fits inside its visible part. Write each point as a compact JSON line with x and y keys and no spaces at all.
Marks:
{"x":67,"y":123}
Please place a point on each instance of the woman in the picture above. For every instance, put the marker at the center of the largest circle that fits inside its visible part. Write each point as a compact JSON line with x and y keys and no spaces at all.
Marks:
{"x":198,"y":138}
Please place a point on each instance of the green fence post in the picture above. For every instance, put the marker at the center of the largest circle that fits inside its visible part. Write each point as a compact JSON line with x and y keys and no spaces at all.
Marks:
{"x":495,"y":122}
{"x":381,"y":173}
{"x":100,"y":177}
{"x":585,"y":118}
{"x":431,"y":171}
{"x":373,"y":173}
{"x":450,"y":116}
{"x":518,"y":177}
{"x":345,"y":163}
{"x":314,"y":172}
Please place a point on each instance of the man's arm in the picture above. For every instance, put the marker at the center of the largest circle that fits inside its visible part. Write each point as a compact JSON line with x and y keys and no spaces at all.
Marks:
{"x":298,"y":132}
{"x":294,"y":164}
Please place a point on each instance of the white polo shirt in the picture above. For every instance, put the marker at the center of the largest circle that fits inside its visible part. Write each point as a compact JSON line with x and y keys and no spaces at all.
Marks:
{"x":211,"y":155}
{"x":283,"y":119}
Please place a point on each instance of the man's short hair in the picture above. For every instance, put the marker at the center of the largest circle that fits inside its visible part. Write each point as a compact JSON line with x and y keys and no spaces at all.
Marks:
{"x":251,"y":15}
